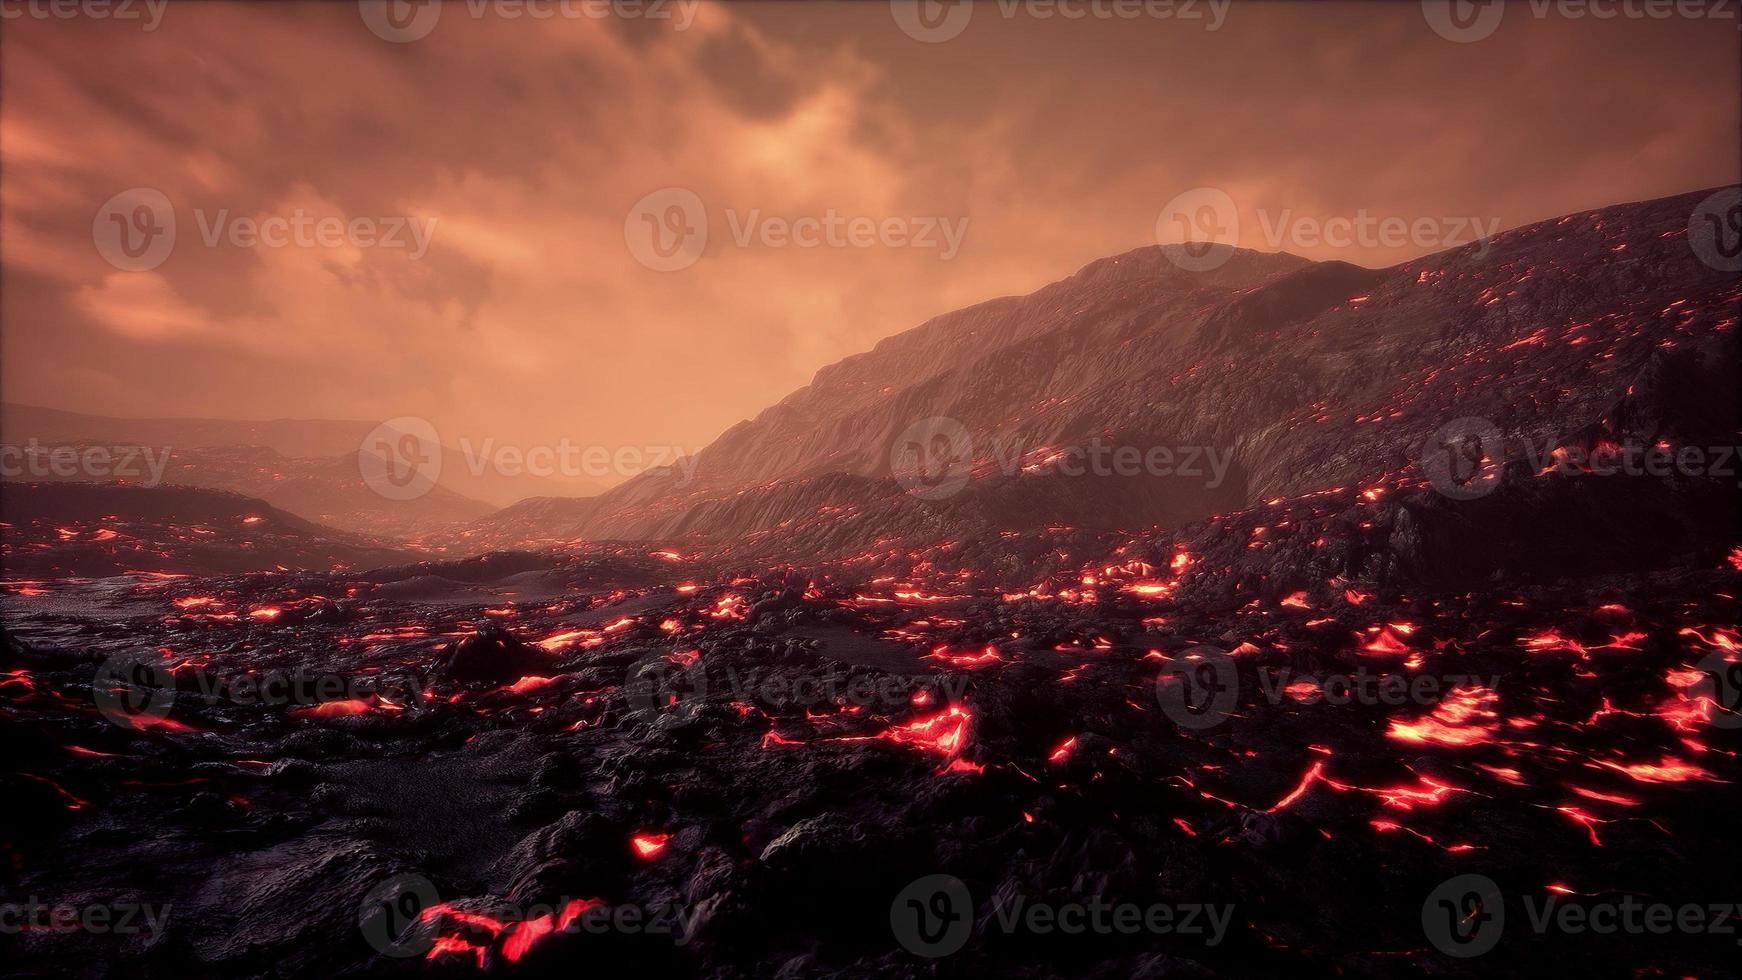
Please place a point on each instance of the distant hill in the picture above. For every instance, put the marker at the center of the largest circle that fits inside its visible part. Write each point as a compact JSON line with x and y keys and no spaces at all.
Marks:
{"x":306,"y":466}
{"x":104,"y":529}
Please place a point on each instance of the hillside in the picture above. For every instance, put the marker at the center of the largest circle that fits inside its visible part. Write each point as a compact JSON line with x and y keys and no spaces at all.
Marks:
{"x":1297,"y":376}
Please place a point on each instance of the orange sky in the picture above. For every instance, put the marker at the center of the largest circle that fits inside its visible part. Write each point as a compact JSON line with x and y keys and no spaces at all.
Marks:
{"x":529,"y":319}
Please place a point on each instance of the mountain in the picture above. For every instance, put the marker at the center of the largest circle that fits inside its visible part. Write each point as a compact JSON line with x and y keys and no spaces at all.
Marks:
{"x":1300,"y":376}
{"x":309,"y":467}
{"x":107,"y":529}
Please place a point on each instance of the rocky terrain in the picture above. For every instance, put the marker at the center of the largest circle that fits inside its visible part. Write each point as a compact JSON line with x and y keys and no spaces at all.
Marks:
{"x":772,"y":757}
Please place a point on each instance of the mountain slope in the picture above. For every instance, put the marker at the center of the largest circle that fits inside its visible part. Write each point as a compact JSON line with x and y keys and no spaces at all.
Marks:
{"x":1302,"y":375}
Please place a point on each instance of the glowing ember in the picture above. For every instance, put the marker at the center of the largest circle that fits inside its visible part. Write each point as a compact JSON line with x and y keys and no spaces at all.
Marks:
{"x":333,"y":709}
{"x":1466,"y":717}
{"x":523,"y":935}
{"x":1666,"y":771}
{"x":944,"y":733}
{"x":649,"y":844}
{"x":984,"y":658}
{"x":557,"y":641}
{"x":1386,"y":641}
{"x":1312,"y":776}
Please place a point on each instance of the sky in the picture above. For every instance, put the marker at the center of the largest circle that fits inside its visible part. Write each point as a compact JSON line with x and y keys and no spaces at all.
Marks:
{"x":496,"y":222}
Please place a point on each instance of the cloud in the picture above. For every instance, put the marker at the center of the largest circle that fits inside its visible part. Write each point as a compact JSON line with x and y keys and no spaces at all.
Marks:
{"x":141,"y":306}
{"x":527,"y":141}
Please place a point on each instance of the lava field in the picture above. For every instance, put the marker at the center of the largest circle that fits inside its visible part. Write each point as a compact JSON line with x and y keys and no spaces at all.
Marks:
{"x":469,"y":767}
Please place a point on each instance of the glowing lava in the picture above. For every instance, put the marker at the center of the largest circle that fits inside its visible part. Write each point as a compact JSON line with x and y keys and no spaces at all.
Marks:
{"x":647,"y":844}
